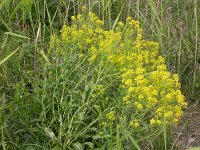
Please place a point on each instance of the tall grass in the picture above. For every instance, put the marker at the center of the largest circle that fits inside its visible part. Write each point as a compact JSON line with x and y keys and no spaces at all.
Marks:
{"x":26,"y":26}
{"x":174,"y":24}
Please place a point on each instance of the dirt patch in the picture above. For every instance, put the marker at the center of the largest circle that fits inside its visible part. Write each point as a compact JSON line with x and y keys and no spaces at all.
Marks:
{"x":187,"y":133}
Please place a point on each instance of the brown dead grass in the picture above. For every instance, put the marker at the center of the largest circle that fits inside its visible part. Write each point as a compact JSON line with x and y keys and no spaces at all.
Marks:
{"x":187,"y":133}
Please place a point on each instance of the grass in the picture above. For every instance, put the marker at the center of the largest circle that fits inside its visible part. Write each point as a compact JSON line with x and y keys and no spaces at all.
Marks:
{"x":25,"y":30}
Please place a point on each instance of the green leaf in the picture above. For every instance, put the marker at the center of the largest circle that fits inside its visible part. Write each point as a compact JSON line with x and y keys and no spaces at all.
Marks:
{"x":96,"y":137}
{"x":90,"y":144}
{"x":17,"y":35}
{"x":2,"y":3}
{"x":45,"y":57}
{"x":5,"y":24}
{"x":118,"y":16}
{"x":131,"y":138}
{"x":78,"y":146}
{"x":49,"y":133}
{"x":7,"y":57}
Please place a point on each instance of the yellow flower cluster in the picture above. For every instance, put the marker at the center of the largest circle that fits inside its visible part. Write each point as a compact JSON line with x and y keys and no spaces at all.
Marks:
{"x":99,"y":89}
{"x":111,"y":116}
{"x":147,"y":87}
{"x":134,"y":123}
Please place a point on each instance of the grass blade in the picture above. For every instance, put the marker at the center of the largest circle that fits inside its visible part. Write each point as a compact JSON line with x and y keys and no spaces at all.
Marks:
{"x":131,"y":138}
{"x":7,"y":57}
{"x":117,"y":19}
{"x":5,"y":24}
{"x":17,"y":35}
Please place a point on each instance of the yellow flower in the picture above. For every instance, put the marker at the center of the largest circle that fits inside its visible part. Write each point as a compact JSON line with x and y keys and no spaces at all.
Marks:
{"x":152,"y":121}
{"x":120,"y":24}
{"x":178,"y":113}
{"x":138,"y":105}
{"x":134,"y":123}
{"x":158,"y":122}
{"x":111,"y":116}
{"x":170,"y":96}
{"x":139,"y":71}
{"x":131,"y":89}
{"x":126,"y":99}
{"x":144,"y":83}
{"x":168,"y":114}
{"x":73,"y":18}
{"x":128,"y":82}
{"x":84,"y":8}
{"x":175,"y":120}
{"x":140,"y":96}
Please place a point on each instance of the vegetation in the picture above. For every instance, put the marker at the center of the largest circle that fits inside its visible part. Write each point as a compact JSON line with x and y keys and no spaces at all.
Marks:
{"x":72,"y":80}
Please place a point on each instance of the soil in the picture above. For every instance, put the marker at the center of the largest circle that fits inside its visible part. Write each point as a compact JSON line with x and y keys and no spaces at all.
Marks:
{"x":187,"y":134}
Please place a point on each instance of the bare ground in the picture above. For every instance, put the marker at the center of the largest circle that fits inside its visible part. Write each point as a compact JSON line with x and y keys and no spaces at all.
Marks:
{"x":187,"y":133}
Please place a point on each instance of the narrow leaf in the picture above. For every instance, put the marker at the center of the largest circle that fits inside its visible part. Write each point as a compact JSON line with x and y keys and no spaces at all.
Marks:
{"x":7,"y":57}
{"x":17,"y":35}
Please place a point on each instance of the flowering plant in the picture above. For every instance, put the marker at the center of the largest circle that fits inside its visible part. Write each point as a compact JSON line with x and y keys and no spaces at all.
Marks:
{"x":132,"y":92}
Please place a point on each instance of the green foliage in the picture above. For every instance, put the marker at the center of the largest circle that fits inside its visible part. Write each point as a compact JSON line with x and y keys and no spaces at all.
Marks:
{"x":164,"y":21}
{"x":26,"y":122}
{"x":102,"y":89}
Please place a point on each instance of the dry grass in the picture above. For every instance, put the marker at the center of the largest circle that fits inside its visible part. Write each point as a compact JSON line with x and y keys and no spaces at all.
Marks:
{"x":187,"y":133}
